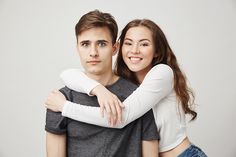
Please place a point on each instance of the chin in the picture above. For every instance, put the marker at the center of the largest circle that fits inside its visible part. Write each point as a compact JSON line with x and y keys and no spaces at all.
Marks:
{"x":94,"y":71}
{"x":134,"y":69}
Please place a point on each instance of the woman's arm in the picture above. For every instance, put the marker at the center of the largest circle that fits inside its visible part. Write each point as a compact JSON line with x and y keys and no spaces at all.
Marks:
{"x":157,"y":84}
{"x":76,"y":79}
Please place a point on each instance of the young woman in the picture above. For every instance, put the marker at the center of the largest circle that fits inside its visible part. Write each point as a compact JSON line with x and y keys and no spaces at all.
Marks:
{"x":146,"y":59}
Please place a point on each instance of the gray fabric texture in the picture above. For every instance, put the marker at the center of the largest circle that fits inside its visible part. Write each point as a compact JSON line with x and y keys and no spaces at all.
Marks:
{"x":86,"y":140}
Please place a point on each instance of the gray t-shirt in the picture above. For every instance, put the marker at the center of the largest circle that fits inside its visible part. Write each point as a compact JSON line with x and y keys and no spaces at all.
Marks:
{"x":87,"y":140}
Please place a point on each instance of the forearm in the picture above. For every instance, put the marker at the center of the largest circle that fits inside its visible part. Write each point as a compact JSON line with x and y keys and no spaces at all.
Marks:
{"x":157,"y":84}
{"x":55,"y":145}
{"x":134,"y":108}
{"x":91,"y":115}
{"x":88,"y":114}
{"x":76,"y":79}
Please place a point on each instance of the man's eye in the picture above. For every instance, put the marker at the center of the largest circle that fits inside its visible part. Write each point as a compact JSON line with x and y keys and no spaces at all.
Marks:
{"x":102,"y":44}
{"x":84,"y":44}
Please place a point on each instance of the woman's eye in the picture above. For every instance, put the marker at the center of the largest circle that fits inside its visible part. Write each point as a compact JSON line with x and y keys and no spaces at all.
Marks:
{"x":144,"y":44}
{"x":127,"y":43}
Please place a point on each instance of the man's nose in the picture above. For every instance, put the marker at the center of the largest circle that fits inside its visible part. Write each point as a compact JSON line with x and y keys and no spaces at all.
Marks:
{"x":93,"y":52}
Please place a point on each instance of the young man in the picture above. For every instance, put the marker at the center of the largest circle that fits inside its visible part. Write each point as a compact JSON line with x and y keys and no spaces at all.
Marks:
{"x":96,"y":34}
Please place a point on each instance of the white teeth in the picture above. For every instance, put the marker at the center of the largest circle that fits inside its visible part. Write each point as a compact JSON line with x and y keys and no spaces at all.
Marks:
{"x":134,"y":59}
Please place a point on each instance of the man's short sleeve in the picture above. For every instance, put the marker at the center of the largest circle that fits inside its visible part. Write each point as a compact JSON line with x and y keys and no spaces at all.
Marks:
{"x":149,"y":128}
{"x":55,"y":122}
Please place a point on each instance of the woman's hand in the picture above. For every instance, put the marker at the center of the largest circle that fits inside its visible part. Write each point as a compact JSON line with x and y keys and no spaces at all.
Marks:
{"x":109,"y":103}
{"x":55,"y":101}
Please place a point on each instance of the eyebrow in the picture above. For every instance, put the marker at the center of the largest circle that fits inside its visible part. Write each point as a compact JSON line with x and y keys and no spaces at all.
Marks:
{"x":84,"y":41}
{"x":87,"y":41}
{"x":139,"y":40}
{"x":105,"y":41}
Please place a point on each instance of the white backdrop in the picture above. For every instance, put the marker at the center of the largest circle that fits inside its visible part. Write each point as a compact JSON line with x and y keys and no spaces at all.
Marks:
{"x":37,"y":42}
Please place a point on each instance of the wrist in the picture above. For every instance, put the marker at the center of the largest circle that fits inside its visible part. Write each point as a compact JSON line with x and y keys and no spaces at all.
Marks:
{"x":65,"y":108}
{"x":61,"y":106}
{"x":95,"y":90}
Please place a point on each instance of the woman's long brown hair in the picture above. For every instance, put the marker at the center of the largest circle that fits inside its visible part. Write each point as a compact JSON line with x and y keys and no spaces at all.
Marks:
{"x":164,"y":56}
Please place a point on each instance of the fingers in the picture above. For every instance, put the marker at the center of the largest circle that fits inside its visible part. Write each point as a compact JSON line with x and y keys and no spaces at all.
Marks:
{"x":113,"y":111}
{"x":48,"y":101}
{"x":102,"y":110}
{"x":55,"y":101}
{"x":45,"y":105}
{"x":111,"y":106}
{"x":119,"y":117}
{"x":119,"y":110}
{"x":118,"y":106}
{"x":121,"y":104}
{"x":108,"y":113}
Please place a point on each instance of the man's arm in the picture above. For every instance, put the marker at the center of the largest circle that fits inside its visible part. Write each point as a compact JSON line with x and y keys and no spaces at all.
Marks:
{"x":55,"y":145}
{"x":150,"y":148}
{"x":150,"y":136}
{"x":56,"y":129}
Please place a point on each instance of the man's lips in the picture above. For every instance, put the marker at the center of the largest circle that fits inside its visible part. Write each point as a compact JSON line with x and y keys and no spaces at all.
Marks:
{"x":93,"y":62}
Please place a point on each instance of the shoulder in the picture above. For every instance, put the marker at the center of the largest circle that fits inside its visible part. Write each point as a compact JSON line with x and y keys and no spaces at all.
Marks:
{"x":126,"y":83}
{"x":122,"y":88}
{"x":161,"y":72}
{"x":66,"y":92}
{"x":162,"y":69}
{"x":161,"y":76}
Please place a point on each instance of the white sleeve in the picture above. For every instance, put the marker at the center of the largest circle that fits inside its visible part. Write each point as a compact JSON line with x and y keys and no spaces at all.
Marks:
{"x":88,"y":114}
{"x":77,"y":80}
{"x":157,"y":84}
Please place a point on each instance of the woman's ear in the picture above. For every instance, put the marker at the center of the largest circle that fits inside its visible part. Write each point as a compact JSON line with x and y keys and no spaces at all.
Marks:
{"x":115,"y":48}
{"x":155,"y":55}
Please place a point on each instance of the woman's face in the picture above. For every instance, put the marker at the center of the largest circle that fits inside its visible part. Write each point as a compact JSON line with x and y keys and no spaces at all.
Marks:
{"x":138,"y":50}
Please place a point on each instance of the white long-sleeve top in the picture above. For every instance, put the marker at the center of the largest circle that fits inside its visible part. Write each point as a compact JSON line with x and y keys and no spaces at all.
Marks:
{"x":156,"y":92}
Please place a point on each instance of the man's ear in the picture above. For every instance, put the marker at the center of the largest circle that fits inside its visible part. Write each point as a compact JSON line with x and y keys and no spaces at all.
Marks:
{"x":115,"y":48}
{"x":77,"y":48}
{"x":77,"y":43}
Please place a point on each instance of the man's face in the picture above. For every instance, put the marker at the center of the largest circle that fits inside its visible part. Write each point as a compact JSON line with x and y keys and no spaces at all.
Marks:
{"x":96,"y":50}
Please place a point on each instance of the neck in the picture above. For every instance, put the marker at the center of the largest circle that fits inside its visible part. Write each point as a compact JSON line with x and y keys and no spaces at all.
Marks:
{"x":140,"y":78}
{"x":104,"y":79}
{"x":141,"y":74}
